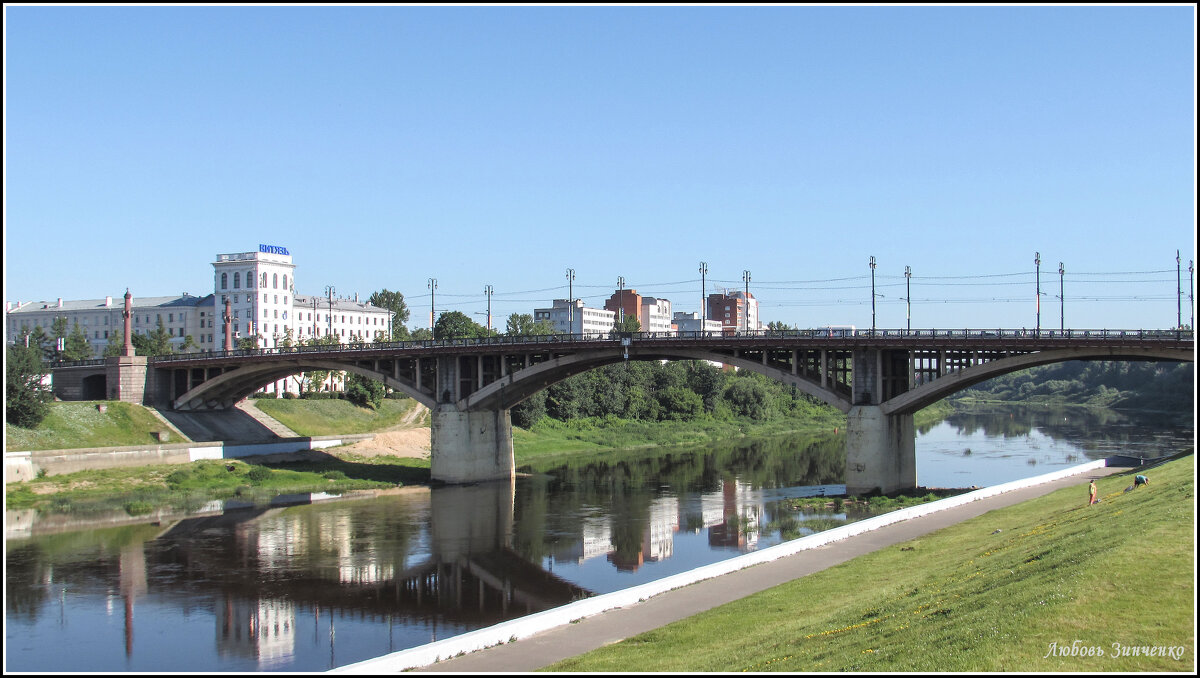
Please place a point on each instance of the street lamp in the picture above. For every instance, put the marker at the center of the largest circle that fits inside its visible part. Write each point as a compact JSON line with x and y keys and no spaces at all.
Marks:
{"x":329,"y":290}
{"x":746,"y":279}
{"x":621,"y":309}
{"x":1191,"y":298}
{"x":908,"y":294}
{"x":1062,"y":301}
{"x":703,"y":295}
{"x":1178,"y":293}
{"x":571,"y":294}
{"x":1037,"y":262}
{"x":432,"y":289}
{"x":488,"y":291}
{"x":872,"y":264}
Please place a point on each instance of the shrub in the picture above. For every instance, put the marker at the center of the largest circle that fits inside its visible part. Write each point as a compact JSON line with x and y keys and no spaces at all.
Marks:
{"x":258,"y":473}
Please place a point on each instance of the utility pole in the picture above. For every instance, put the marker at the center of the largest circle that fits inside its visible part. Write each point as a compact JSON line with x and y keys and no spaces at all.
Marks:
{"x":329,"y":290}
{"x":1062,"y":301}
{"x":571,"y":294}
{"x":1178,"y":293}
{"x":703,"y":296}
{"x":872,"y":265}
{"x":1191,"y":294}
{"x":1037,"y":262}
{"x":908,"y":293}
{"x":488,"y":291}
{"x":621,"y":308}
{"x":746,"y":279}
{"x":432,"y":289}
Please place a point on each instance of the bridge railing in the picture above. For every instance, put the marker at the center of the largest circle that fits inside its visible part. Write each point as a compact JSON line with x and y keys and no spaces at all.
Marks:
{"x":550,"y":340}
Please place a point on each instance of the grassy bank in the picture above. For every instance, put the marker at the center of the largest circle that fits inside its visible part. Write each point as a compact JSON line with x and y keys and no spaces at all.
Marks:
{"x":71,"y":425}
{"x":139,"y":490}
{"x":338,"y":417}
{"x":1114,"y":575}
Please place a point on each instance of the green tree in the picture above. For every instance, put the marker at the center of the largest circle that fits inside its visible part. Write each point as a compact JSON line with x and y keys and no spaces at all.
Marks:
{"x":155,"y":342}
{"x":249,"y":343}
{"x":26,"y":399}
{"x":115,"y":345}
{"x":456,"y":325}
{"x":363,"y":391}
{"x":523,"y":324}
{"x":394,"y":302}
{"x":76,"y":346}
{"x":629,"y":324}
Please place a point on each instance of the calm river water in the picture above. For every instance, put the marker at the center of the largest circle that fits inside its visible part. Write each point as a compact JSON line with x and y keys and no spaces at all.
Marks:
{"x":312,"y":587}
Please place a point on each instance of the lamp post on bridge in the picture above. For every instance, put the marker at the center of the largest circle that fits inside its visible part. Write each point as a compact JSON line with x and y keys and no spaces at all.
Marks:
{"x":1062,"y":301}
{"x":746,"y":279}
{"x":908,"y":294}
{"x":1191,"y":294}
{"x":571,"y":300}
{"x":872,"y":265}
{"x":1037,"y":262}
{"x":1178,"y":294}
{"x":432,"y":289}
{"x":329,"y":290}
{"x":703,"y":295}
{"x":621,"y":308}
{"x":488,"y":291}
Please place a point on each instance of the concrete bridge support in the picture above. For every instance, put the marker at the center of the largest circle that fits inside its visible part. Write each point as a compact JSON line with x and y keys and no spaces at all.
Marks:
{"x":880,"y":451}
{"x":472,"y":446}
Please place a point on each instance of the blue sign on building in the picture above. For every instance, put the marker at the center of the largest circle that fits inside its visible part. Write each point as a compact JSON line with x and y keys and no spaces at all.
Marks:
{"x":272,"y":249}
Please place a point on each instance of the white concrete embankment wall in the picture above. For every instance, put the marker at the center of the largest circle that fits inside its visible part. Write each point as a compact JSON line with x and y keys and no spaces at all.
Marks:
{"x":524,"y":627}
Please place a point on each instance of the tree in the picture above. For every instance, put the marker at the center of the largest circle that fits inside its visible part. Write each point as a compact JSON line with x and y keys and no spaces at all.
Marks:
{"x":26,"y":399}
{"x":779,"y":325}
{"x":523,"y":324}
{"x":394,"y":302}
{"x":456,"y":325}
{"x":422,"y":334}
{"x":76,"y":346}
{"x":155,"y":342}
{"x":629,"y":324}
{"x":363,"y":391}
{"x":115,"y":345}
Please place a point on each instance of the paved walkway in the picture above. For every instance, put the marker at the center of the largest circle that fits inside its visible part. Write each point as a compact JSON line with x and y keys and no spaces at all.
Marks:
{"x":560,"y":643}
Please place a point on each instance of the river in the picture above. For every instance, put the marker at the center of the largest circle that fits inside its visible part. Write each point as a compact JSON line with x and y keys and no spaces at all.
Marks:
{"x":315,"y":586}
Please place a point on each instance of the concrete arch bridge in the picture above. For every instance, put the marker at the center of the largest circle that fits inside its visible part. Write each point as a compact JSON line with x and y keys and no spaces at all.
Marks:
{"x":878,"y":378}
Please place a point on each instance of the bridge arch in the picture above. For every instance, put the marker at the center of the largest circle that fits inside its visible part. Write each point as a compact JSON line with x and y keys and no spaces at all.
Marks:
{"x":227,"y":388}
{"x":510,"y":390}
{"x":933,"y":391}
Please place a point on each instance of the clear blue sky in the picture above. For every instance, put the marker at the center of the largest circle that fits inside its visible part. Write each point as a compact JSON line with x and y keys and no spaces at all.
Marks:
{"x":384,"y":146}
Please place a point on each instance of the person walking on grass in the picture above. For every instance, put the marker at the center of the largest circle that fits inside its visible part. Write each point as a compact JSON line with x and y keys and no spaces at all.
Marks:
{"x":1092,"y":493}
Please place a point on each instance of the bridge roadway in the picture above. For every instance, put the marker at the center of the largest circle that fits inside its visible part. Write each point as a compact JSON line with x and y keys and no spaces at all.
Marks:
{"x":878,"y":378}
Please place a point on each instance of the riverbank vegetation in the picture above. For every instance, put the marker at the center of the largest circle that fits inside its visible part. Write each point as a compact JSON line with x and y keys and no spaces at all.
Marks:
{"x":1165,"y":386}
{"x":994,"y":593}
{"x":330,"y":417}
{"x":187,"y":487}
{"x":72,"y":425}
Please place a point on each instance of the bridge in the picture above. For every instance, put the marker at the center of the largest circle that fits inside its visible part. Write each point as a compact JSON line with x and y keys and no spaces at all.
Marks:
{"x":879,"y":378}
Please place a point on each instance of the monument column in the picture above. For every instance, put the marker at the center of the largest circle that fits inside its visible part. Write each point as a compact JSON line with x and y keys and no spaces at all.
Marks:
{"x":227,"y":319}
{"x":126,"y":373}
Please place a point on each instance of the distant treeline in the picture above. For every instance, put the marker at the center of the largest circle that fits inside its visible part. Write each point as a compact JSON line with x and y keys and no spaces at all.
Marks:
{"x":1117,"y":384}
{"x":678,"y":390}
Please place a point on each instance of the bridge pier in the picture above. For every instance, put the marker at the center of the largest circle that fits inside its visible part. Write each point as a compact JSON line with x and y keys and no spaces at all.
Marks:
{"x":471,"y":446}
{"x":880,"y":451}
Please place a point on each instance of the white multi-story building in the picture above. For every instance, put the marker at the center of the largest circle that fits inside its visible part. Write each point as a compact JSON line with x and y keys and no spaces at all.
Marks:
{"x":260,"y":287}
{"x":574,"y":318}
{"x":655,"y":314}
{"x":692,"y":322}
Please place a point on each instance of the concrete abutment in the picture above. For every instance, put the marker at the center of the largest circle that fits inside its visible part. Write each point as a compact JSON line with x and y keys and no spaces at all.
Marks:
{"x":471,"y":446}
{"x":880,"y":451}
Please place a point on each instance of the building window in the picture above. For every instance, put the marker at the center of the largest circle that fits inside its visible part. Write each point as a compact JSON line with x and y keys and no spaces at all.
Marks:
{"x":264,"y":280}
{"x":224,"y":281}
{"x":275,"y":281}
{"x":285,"y":281}
{"x":170,"y":317}
{"x":237,"y":279}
